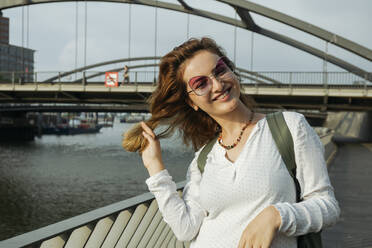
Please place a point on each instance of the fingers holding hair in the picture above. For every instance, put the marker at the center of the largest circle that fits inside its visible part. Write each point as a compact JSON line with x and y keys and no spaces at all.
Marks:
{"x":147,"y":130}
{"x":147,"y":136}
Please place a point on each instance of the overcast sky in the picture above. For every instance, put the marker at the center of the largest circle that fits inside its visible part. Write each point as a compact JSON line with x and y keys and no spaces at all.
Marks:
{"x":52,"y":32}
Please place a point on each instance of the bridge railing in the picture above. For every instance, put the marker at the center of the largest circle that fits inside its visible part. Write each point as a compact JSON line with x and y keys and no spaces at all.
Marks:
{"x":259,"y":77}
{"x":17,"y":77}
{"x":304,"y":78}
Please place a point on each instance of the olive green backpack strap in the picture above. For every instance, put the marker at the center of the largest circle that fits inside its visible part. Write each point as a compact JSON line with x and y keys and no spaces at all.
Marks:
{"x":202,"y":158}
{"x":284,"y":142}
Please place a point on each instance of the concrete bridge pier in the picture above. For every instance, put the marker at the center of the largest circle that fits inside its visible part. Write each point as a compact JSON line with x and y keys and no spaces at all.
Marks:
{"x":351,"y":126}
{"x":14,"y":126}
{"x":366,"y":127}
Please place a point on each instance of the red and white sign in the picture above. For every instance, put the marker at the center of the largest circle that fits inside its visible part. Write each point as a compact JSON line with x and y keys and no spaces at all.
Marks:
{"x":111,"y":79}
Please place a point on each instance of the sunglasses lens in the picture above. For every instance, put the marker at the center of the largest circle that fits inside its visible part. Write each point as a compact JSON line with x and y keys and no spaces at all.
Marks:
{"x":200,"y":85}
{"x":220,"y":68}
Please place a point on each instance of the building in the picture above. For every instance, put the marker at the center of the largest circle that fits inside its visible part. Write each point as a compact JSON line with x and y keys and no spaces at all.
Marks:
{"x":16,"y":63}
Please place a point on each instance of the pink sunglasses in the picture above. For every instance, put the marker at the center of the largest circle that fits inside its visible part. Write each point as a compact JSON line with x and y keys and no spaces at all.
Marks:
{"x":201,"y":85}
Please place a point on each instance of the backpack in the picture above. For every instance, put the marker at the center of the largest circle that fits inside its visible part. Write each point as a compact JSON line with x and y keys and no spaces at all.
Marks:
{"x":284,"y":142}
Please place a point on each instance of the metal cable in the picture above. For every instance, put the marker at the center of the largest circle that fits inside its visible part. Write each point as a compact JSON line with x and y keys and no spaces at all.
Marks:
{"x":235,"y":34}
{"x":28,"y":27}
{"x":129,"y":30}
{"x":252,"y":39}
{"x":76,"y":35}
{"x":23,"y":31}
{"x":188,"y":25}
{"x":156,"y":38}
{"x":85,"y":33}
{"x":325,"y":76}
{"x":325,"y":57}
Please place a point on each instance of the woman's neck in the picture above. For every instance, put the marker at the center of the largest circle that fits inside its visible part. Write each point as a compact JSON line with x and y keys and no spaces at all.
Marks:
{"x":233,"y":122}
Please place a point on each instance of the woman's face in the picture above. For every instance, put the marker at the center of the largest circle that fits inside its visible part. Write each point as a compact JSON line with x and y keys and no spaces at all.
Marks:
{"x":219,"y":95}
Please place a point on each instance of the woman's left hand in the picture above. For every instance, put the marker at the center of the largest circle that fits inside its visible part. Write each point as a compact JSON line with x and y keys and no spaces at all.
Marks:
{"x":261,"y":231}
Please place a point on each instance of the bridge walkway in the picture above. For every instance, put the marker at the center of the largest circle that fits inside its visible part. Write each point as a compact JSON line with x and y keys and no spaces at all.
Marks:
{"x":351,"y":174}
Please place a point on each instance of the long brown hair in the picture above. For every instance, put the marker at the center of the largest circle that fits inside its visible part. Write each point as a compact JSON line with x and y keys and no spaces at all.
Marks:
{"x":169,"y":102}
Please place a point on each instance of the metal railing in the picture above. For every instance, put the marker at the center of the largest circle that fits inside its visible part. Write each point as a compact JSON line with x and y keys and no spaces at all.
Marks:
{"x":305,"y":78}
{"x":135,"y":222}
{"x":262,"y":77}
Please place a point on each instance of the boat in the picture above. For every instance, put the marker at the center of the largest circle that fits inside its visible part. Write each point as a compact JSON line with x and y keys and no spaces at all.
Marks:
{"x":74,"y":126}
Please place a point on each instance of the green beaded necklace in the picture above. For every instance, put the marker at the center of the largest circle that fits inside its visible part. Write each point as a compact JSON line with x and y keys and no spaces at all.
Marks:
{"x":228,"y":147}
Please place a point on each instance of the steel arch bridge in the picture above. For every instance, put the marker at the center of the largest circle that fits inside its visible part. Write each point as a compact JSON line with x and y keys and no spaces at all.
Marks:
{"x":243,"y":9}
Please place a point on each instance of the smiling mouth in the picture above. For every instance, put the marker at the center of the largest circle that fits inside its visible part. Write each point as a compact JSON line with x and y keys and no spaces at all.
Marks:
{"x":222,"y":95}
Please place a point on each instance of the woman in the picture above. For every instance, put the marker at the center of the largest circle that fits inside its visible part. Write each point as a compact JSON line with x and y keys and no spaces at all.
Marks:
{"x":245,"y":197}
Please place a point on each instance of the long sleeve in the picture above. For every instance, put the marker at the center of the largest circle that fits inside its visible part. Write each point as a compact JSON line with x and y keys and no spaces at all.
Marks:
{"x":319,"y":208}
{"x":184,"y":215}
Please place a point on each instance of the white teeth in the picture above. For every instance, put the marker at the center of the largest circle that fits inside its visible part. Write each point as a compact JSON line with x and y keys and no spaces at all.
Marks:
{"x":223,"y":95}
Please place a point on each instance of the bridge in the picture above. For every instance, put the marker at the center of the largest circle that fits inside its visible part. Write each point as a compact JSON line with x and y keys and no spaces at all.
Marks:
{"x":333,"y":97}
{"x":137,"y":222}
{"x":323,"y":91}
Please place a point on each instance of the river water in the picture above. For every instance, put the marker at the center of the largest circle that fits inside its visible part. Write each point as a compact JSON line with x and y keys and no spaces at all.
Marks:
{"x":57,"y":177}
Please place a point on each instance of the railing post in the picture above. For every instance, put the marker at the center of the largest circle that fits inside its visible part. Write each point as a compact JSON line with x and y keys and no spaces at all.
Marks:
{"x":325,"y":82}
{"x":290,"y":83}
{"x":365,"y":84}
{"x":136,"y":81}
{"x":154,"y":81}
{"x":135,"y":77}
{"x":35,"y":80}
{"x":83,"y":81}
{"x":325,"y":78}
{"x":59,"y":82}
{"x":20,"y":78}
{"x":256,"y":82}
{"x":59,"y":78}
{"x":13,"y":78}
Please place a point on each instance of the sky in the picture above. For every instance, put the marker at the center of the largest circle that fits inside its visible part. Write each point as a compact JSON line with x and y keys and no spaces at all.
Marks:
{"x":52,"y":29}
